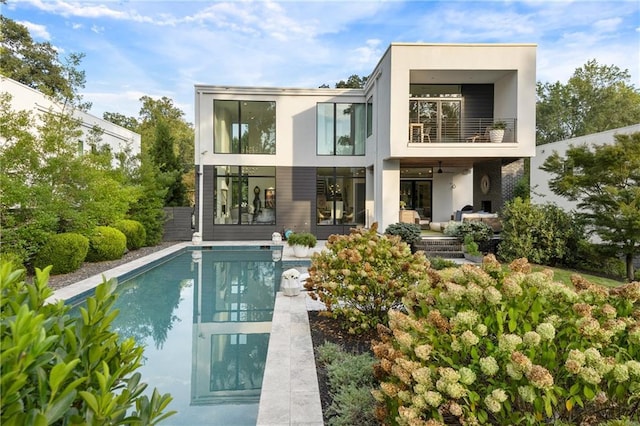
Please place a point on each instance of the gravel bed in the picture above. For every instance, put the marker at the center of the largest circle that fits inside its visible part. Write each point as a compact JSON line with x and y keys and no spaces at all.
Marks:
{"x":89,"y":269}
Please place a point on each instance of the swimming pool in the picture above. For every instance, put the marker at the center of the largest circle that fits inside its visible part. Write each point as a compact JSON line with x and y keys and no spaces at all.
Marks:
{"x":204,"y":318}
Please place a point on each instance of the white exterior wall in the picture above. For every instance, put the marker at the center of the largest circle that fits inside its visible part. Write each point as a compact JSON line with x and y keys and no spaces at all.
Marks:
{"x":295,"y":126}
{"x":24,"y":98}
{"x":540,"y":192}
{"x":511,"y":68}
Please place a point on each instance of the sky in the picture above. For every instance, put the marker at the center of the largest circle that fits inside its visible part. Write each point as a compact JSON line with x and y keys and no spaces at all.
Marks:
{"x":136,"y":48}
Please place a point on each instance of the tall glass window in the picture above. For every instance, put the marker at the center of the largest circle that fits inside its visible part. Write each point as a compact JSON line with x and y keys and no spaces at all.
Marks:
{"x":341,"y":129}
{"x":245,"y":195}
{"x":340,"y":196}
{"x":244,"y":127}
{"x":369,"y":117}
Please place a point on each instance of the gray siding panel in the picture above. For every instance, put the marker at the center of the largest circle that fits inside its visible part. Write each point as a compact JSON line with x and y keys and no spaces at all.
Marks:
{"x":177,"y":225}
{"x":478,"y":101}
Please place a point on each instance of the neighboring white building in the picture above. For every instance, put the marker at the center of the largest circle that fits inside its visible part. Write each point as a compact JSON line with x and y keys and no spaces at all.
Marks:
{"x":24,"y":98}
{"x":540,"y":192}
{"x":326,"y":160}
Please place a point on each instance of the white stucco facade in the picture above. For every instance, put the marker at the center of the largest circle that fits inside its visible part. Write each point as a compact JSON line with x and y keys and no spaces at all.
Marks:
{"x":451,"y":94}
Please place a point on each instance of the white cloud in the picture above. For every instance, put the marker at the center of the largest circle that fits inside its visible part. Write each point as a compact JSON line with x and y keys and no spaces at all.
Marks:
{"x":37,"y":31}
{"x":165,"y":47}
{"x":607,"y":25}
{"x":366,"y":57}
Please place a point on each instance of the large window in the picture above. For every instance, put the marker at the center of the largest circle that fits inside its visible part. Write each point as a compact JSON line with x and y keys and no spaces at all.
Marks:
{"x":369,"y":117}
{"x":244,"y":127}
{"x":435,"y":113}
{"x":245,"y":195}
{"x":340,"y":196}
{"x":341,"y":129}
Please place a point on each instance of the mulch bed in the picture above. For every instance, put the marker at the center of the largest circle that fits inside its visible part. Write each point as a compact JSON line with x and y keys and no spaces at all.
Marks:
{"x":326,"y":329}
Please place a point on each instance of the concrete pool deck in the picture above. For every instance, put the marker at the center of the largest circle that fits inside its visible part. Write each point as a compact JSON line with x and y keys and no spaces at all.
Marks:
{"x":290,"y":393}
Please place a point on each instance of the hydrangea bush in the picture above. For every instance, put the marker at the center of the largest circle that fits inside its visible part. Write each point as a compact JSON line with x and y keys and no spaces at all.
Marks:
{"x":486,"y":345}
{"x":362,"y":276}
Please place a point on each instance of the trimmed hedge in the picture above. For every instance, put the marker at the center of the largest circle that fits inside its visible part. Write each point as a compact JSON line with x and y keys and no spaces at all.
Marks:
{"x":134,"y":231}
{"x":65,"y":251}
{"x":106,"y":243}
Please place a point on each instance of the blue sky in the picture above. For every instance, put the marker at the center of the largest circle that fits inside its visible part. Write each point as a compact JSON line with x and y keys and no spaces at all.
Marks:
{"x":162,"y":48}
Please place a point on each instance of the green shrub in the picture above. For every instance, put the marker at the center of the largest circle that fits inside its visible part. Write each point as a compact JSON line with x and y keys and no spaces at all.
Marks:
{"x":351,"y":369}
{"x":329,"y":352}
{"x":350,"y":380}
{"x":408,"y":232}
{"x":490,"y":346}
{"x":61,"y":369}
{"x":361,"y":276}
{"x":438,"y":263}
{"x":305,"y":239}
{"x":476,"y":231}
{"x":134,"y":231}
{"x":106,"y":243}
{"x":599,"y":258}
{"x":544,"y":234}
{"x":14,"y":258}
{"x":65,"y":252}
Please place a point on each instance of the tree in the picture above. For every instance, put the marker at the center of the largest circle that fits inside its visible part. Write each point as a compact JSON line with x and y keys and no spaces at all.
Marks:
{"x":168,"y":163}
{"x":353,"y":82}
{"x":38,"y":66}
{"x":596,"y":98}
{"x":148,"y":209}
{"x":48,"y":186}
{"x":605,"y":182}
{"x":122,"y":120}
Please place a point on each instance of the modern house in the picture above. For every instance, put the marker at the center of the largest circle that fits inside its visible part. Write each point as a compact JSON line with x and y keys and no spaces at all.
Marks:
{"x":117,"y":138}
{"x":326,"y":160}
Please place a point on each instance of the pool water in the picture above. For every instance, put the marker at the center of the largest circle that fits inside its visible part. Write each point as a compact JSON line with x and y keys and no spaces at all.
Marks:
{"x":204,"y":319}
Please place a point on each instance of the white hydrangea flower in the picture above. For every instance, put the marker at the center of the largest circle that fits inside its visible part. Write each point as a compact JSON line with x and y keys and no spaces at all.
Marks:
{"x":546,"y":330}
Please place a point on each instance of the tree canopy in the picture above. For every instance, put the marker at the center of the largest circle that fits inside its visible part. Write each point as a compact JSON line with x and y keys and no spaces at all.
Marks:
{"x":605,"y":182}
{"x":167,"y":139}
{"x":38,"y":66}
{"x":353,"y":82}
{"x":596,"y":98}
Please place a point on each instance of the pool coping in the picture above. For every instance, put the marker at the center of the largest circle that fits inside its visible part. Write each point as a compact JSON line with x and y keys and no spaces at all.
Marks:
{"x":290,"y":393}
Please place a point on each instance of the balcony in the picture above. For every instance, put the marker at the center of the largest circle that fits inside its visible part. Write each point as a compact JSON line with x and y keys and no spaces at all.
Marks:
{"x":477,"y":130}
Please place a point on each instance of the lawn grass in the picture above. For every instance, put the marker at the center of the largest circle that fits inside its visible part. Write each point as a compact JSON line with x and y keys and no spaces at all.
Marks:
{"x":564,"y":276}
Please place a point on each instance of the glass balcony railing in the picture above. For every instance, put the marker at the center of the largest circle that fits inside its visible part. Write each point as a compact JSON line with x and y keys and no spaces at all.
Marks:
{"x":478,"y":130}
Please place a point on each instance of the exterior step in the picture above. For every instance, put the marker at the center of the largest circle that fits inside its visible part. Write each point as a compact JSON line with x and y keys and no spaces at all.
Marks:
{"x":444,"y":247}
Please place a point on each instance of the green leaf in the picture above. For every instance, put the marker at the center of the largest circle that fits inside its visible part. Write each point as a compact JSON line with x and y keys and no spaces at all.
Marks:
{"x":91,"y":400}
{"x":574,"y":389}
{"x":59,"y":373}
{"x":588,"y":392}
{"x":61,"y":406}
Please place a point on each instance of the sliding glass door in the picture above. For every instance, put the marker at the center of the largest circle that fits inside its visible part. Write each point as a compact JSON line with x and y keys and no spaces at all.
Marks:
{"x":440,"y":119}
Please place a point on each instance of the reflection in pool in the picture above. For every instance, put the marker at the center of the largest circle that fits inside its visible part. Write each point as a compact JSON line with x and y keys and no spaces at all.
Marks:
{"x":204,"y":319}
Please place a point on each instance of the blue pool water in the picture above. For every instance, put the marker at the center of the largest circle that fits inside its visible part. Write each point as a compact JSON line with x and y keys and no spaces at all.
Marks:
{"x":204,"y":319}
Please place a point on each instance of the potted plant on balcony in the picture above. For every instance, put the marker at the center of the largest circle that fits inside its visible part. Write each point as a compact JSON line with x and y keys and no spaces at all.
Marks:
{"x":496,"y":133}
{"x":301,"y":242}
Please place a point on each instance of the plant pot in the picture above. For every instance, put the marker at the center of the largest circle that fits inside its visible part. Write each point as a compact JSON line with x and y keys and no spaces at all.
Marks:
{"x":496,"y":135}
{"x":300,"y":251}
